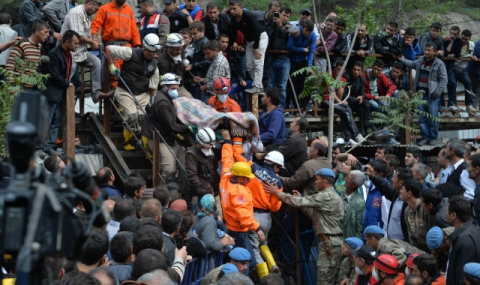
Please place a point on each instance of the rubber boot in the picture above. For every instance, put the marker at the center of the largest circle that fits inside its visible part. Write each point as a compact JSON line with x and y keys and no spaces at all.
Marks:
{"x":127,"y":144}
{"x":148,"y":154}
{"x":268,"y":257}
{"x":262,"y":270}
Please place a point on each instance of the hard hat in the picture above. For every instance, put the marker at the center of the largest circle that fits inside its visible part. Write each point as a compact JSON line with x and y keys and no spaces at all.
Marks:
{"x":410,"y":259}
{"x":242,"y":169}
{"x":340,"y":141}
{"x":386,"y":263}
{"x":221,"y":85}
{"x":275,"y":157}
{"x":170,"y":78}
{"x":205,"y":136}
{"x":152,"y":42}
{"x":175,"y":40}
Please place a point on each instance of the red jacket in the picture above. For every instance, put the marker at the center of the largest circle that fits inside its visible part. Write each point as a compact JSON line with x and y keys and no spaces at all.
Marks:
{"x":385,"y":87}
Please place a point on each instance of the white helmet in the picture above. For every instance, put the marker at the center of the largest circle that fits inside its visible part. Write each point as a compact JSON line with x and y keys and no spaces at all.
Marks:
{"x":175,"y":40}
{"x":152,"y":42}
{"x":205,"y":136}
{"x":170,"y":78}
{"x":274,"y":157}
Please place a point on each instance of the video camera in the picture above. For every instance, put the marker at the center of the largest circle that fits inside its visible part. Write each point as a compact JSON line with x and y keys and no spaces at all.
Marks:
{"x":36,"y":208}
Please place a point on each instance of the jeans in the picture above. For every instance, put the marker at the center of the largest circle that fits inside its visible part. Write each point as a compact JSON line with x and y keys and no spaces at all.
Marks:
{"x":375,"y":105}
{"x":279,"y":77}
{"x":453,"y":77}
{"x":95,"y":74}
{"x":238,"y":89}
{"x":242,"y":240}
{"x":55,"y":119}
{"x":428,"y":128}
{"x":475,"y":79}
{"x":350,"y":129}
{"x":298,"y":84}
{"x":255,"y":66}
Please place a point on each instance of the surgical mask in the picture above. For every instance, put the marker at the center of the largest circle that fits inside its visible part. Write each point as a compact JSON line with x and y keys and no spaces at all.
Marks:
{"x":359,"y":271}
{"x":207,"y":152}
{"x":407,"y":271}
{"x":173,"y":94}
{"x":375,"y":275}
{"x":177,"y":58}
{"x":222,"y":98}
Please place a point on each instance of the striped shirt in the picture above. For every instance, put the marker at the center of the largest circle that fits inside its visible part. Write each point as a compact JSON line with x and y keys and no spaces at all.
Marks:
{"x":27,"y":51}
{"x":78,"y":21}
{"x":219,"y":67}
{"x":425,"y":70}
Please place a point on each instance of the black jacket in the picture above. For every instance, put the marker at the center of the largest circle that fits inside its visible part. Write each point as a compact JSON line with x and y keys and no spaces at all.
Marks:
{"x":200,"y":63}
{"x":456,"y":50}
{"x":294,"y":151}
{"x":57,"y":83}
{"x":201,"y":169}
{"x":387,"y":49}
{"x":224,"y":26}
{"x":178,"y":21}
{"x":249,"y":26}
{"x":357,"y":86}
{"x":166,"y":64}
{"x":453,"y":187}
{"x":465,"y":248}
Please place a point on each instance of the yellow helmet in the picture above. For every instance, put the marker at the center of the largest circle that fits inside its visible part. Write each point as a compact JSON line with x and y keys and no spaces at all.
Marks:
{"x":242,"y":169}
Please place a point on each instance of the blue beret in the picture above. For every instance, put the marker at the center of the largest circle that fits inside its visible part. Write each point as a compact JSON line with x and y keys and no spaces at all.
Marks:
{"x":354,"y":242}
{"x":434,"y":238}
{"x":472,"y":269}
{"x":373,"y":230}
{"x":240,"y":254}
{"x":229,"y":268}
{"x":326,"y":172}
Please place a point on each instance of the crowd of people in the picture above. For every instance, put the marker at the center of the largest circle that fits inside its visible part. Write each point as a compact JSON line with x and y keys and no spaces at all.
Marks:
{"x":227,"y":176}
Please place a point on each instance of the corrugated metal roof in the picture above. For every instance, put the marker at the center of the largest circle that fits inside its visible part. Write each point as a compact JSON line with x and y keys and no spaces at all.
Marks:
{"x":93,"y":162}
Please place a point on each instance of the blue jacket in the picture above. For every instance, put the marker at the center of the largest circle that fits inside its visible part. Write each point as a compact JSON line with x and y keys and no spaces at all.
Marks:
{"x":474,"y":66}
{"x":410,"y":52}
{"x":265,"y":173}
{"x":272,"y":126}
{"x":372,"y":216}
{"x":298,"y":44}
{"x":111,"y":190}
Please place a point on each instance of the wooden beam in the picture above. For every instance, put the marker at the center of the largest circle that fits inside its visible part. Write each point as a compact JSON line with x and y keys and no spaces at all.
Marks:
{"x":68,"y":108}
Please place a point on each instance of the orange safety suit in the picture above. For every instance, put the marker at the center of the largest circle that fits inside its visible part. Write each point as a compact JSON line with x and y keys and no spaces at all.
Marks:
{"x":261,"y":199}
{"x":117,"y":24}
{"x":237,"y":201}
{"x":229,"y":106}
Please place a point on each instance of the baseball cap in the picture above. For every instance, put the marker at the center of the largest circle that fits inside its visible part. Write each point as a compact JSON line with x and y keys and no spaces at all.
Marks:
{"x":168,"y":1}
{"x":143,"y":1}
{"x":305,"y":10}
{"x":364,"y":252}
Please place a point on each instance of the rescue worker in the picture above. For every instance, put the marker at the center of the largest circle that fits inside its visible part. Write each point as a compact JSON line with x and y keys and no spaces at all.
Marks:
{"x":221,"y":101}
{"x":153,"y":21}
{"x":140,"y":76}
{"x":163,"y":115}
{"x":386,"y":270}
{"x":170,"y":61}
{"x":237,"y":199}
{"x":325,"y":208}
{"x":117,"y":22}
{"x":201,"y":165}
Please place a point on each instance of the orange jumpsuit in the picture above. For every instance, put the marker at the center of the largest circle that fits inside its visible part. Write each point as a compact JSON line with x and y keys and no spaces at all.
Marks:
{"x":229,"y":106}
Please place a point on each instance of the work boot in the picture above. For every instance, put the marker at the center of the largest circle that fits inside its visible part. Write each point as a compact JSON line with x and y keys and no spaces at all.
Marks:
{"x":148,"y":154}
{"x":261,"y":269}
{"x":268,"y":257}
{"x":127,"y":143}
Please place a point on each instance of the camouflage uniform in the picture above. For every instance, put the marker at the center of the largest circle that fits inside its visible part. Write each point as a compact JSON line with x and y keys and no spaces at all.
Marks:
{"x":417,"y":225}
{"x":347,"y":270}
{"x":325,"y":208}
{"x":397,"y":248}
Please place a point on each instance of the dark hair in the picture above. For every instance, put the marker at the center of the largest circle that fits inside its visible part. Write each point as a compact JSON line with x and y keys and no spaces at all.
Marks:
{"x":308,"y":25}
{"x":174,"y":195}
{"x":455,"y":28}
{"x":223,"y":36}
{"x":413,"y":280}
{"x":198,"y":25}
{"x":162,"y":194}
{"x":379,"y":63}
{"x":211,"y":5}
{"x":460,"y":206}
{"x":387,"y":149}
{"x":341,"y":23}
{"x":50,"y":163}
{"x":431,"y":196}
{"x":410,"y":32}
{"x":436,"y":26}
{"x":138,"y":206}
{"x":339,"y":147}
{"x":322,"y":150}
{"x":271,"y":279}
{"x":131,"y":185}
{"x":380,"y":166}
{"x":123,"y":209}
{"x":147,"y":237}
{"x":78,"y":278}
{"x":129,"y":224}
{"x":204,"y":189}
{"x":171,"y":220}
{"x":426,"y":262}
{"x":358,"y":63}
{"x":172,"y":186}
{"x":393,"y":160}
{"x":150,"y":222}
{"x":415,"y":151}
{"x":68,"y":36}
{"x":331,"y":20}
{"x":339,"y":62}
{"x":404,"y":173}
{"x":94,"y":248}
{"x":467,"y":33}
{"x":235,"y":2}
{"x":211,"y":45}
{"x":329,"y":179}
{"x":375,"y":236}
{"x":475,"y":160}
{"x":398,"y":65}
{"x":274,"y":94}
{"x":187,"y":222}
{"x":53,"y":265}
{"x":39,"y":25}
{"x":103,"y":175}
{"x":414,"y":186}
{"x":273,"y":3}
{"x":286,"y":10}
{"x":185,"y":31}
{"x":102,"y":270}
{"x":303,"y":124}
{"x":121,"y":246}
{"x":5,"y":18}
{"x":473,"y":280}
{"x":148,"y":260}
{"x":393,"y":24}
{"x":432,"y":45}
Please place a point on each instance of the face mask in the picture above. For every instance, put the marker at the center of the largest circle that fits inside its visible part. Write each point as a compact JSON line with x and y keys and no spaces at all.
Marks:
{"x":359,"y":271}
{"x":207,"y":152}
{"x":375,"y":275}
{"x":177,"y":58}
{"x":407,"y":271}
{"x":222,"y":98}
{"x":173,"y":94}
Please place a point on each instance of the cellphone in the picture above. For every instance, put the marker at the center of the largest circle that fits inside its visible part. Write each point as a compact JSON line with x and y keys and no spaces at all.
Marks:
{"x":276,"y":14}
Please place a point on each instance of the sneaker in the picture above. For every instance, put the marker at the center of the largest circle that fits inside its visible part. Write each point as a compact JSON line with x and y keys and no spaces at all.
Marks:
{"x":423,"y":142}
{"x":384,"y":134}
{"x":253,"y":90}
{"x":392,"y":141}
{"x":352,"y":143}
{"x":442,"y":108}
{"x":470,"y":108}
{"x":359,"y":138}
{"x":435,"y":142}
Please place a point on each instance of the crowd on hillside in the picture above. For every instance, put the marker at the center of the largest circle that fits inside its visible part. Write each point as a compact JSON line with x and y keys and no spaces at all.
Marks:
{"x":186,"y":72}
